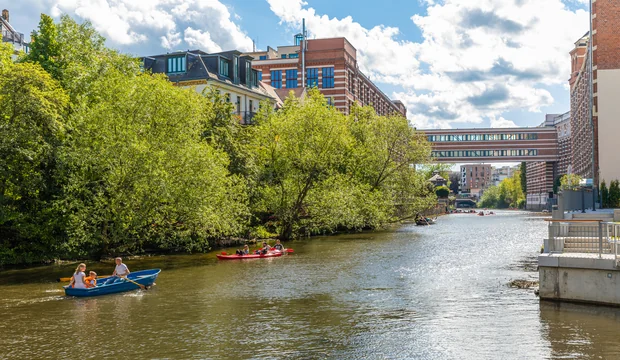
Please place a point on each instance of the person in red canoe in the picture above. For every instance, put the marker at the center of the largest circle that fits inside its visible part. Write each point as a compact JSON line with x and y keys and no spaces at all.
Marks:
{"x":91,"y":280}
{"x":278,"y":246}
{"x":265,"y":249}
{"x":245,"y":251}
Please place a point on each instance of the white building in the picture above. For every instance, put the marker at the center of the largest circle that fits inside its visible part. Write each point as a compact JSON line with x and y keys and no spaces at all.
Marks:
{"x":10,"y":35}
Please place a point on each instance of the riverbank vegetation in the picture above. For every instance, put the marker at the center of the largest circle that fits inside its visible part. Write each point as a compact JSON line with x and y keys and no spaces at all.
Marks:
{"x":98,"y":158}
{"x":508,"y":194}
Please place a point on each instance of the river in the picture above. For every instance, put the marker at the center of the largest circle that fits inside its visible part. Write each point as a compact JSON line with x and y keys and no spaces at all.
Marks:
{"x":437,"y":292}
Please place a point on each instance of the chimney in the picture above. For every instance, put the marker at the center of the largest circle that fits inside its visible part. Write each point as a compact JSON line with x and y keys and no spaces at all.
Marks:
{"x":5,"y":15}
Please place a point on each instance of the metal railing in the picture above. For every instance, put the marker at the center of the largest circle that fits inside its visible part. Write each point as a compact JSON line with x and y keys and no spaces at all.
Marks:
{"x":583,"y":236}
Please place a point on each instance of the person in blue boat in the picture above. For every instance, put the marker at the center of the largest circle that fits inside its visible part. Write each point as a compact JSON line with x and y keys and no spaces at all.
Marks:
{"x":278,"y":246}
{"x":121,"y":269}
{"x":78,"y":280}
{"x":91,"y":280}
{"x":245,"y":251}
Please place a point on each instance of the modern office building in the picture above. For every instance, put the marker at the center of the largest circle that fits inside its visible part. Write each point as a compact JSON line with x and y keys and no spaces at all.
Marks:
{"x":228,"y":72}
{"x":475,"y":178}
{"x":10,"y":35}
{"x":499,"y":174}
{"x":327,"y":64}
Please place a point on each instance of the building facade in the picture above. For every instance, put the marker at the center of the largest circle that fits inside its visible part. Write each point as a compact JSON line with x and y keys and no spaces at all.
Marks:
{"x":499,"y":174}
{"x":329,"y":65}
{"x":475,"y":178}
{"x":594,"y":140}
{"x":10,"y":35}
{"x":230,"y":73}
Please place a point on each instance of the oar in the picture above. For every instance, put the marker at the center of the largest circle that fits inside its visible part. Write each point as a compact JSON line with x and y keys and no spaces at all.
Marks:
{"x":65,"y":279}
{"x":290,"y":251}
{"x":135,"y":283}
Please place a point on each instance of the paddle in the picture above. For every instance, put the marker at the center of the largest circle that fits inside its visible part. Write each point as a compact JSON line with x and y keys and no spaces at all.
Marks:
{"x":65,"y":279}
{"x":133,"y":282}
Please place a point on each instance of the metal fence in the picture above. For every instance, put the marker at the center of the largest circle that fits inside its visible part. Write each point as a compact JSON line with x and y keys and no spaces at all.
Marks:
{"x":583,"y":236}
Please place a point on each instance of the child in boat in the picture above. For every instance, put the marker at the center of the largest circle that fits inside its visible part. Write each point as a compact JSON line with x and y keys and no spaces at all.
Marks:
{"x":245,"y":251}
{"x":91,"y":280}
{"x":78,"y":279}
{"x":278,"y":246}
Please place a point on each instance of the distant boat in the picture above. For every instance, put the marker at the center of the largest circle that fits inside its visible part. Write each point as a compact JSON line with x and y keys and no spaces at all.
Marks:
{"x":426,"y":221}
{"x":114,"y":285}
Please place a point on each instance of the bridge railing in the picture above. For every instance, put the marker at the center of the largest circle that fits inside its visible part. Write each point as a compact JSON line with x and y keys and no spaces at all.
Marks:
{"x":583,"y":236}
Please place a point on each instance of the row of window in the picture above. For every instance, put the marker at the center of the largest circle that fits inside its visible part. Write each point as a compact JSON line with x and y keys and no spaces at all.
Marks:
{"x":176,"y":64}
{"x":483,"y":153}
{"x":312,"y":78}
{"x":290,"y":56}
{"x":483,"y":137}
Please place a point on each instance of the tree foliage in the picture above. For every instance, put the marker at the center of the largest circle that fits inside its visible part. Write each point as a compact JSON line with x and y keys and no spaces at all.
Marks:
{"x":442,"y":191}
{"x":507,"y":194}
{"x":604,"y":195}
{"x":570,"y":182}
{"x":523,"y":177}
{"x":98,"y":158}
{"x":614,"y":194}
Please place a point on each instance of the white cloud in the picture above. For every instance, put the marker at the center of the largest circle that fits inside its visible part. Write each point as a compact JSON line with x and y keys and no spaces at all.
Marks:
{"x":502,"y":123}
{"x":206,"y":24}
{"x":478,"y":58}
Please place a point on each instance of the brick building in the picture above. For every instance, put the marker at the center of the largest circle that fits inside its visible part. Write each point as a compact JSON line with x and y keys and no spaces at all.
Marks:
{"x":605,"y":74}
{"x":331,"y":66}
{"x":475,"y":178}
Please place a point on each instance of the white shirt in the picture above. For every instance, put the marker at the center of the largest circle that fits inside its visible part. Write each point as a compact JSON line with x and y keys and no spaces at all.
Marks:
{"x":121,"y":270}
{"x":78,"y":280}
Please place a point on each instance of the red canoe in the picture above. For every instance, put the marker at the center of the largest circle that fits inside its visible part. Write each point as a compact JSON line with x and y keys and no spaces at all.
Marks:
{"x":250,"y":256}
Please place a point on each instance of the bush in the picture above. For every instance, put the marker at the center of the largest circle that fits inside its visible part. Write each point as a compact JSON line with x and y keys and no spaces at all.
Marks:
{"x":604,"y":195}
{"x":614,"y":194}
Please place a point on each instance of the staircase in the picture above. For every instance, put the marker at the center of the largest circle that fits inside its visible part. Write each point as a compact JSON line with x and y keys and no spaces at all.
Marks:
{"x":583,"y":237}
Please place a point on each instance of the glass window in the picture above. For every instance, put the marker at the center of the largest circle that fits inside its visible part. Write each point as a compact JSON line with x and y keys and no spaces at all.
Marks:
{"x":293,"y":56}
{"x":283,"y":56}
{"x":223,"y":67}
{"x":236,"y":69}
{"x":328,"y":77}
{"x":248,"y":73}
{"x":262,"y":57}
{"x":276,"y":79}
{"x":312,"y":76}
{"x":260,"y":75}
{"x":291,"y":79}
{"x":176,"y":64}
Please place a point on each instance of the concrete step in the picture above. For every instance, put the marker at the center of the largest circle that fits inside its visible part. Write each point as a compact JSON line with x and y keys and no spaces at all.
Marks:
{"x":593,"y":216}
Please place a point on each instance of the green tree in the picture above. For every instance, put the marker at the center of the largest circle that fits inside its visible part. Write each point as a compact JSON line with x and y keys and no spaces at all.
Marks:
{"x":604,"y":195}
{"x":442,"y":191}
{"x":31,"y":130}
{"x":557,"y":184}
{"x":141,"y":175}
{"x":570,"y":182}
{"x":44,"y":48}
{"x":523,"y":177}
{"x":614,"y":194}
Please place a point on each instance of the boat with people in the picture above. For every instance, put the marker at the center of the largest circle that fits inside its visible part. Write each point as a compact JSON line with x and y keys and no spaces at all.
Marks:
{"x":270,"y":254}
{"x":116,"y":284}
{"x":425,"y":221}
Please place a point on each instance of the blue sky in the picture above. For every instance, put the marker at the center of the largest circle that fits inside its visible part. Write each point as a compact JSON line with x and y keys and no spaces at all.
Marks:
{"x":454,"y":63}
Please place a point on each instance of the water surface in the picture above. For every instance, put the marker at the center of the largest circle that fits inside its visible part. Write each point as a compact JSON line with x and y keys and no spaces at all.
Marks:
{"x":437,"y":292}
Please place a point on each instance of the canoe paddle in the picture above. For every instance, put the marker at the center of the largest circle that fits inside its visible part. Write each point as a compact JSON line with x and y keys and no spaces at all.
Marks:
{"x":133,"y":282}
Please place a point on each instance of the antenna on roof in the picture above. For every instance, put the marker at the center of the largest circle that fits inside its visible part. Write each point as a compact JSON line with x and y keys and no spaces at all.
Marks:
{"x":253,"y":46}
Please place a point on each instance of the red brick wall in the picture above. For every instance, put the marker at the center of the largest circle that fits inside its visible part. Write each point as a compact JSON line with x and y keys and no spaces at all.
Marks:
{"x":607,"y":36}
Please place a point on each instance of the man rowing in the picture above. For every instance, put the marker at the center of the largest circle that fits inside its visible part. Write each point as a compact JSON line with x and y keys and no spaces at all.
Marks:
{"x":121,"y":269}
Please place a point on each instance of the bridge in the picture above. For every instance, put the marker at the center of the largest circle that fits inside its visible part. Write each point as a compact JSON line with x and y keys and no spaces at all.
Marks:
{"x":494,"y":144}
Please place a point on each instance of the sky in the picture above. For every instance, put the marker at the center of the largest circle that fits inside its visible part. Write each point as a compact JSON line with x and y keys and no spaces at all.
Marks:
{"x":453,"y":63}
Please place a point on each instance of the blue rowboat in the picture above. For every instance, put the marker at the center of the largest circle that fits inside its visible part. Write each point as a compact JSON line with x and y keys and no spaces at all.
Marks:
{"x":115,"y":284}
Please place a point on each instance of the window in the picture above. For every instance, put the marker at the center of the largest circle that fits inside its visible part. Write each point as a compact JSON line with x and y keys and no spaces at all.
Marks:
{"x":260,"y":76}
{"x":293,"y":56}
{"x":248,"y":74}
{"x":251,"y":109}
{"x":328,"y":77}
{"x":236,"y":69}
{"x":291,"y":79}
{"x":176,"y":64}
{"x":330,"y":100}
{"x":283,"y":56}
{"x":223,"y":67}
{"x":276,"y":79}
{"x":312,"y":76}
{"x":262,"y":57}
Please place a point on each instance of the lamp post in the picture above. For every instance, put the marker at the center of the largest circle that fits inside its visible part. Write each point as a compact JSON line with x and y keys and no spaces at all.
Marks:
{"x":591,"y":110}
